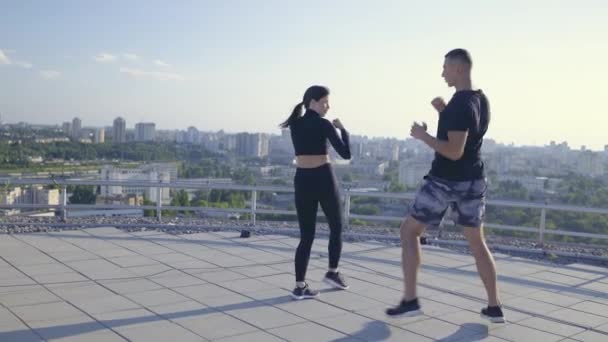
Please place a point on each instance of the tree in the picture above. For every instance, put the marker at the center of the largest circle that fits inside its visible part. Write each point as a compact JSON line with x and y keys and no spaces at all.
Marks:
{"x":180,"y":199}
{"x":83,"y":194}
{"x":366,"y":209}
{"x":200,"y":195}
{"x":279,"y":182}
{"x":244,"y":176}
{"x":396,"y":187}
{"x":149,"y":212}
{"x":512,"y":190}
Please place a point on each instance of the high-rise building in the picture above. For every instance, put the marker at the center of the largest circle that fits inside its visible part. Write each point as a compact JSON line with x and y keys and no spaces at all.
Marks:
{"x":119,"y":131}
{"x":242,"y":144}
{"x":166,"y":135}
{"x":395,"y":153}
{"x":590,"y":164}
{"x":181,"y":137}
{"x":211,"y":141}
{"x":76,"y":128}
{"x":228,"y":142}
{"x":145,"y":131}
{"x":193,"y":136}
{"x":66,"y":127}
{"x":252,"y":145}
{"x":411,"y":174}
{"x":360,"y":149}
{"x":264,"y":144}
{"x":109,"y":131}
{"x":99,"y":136}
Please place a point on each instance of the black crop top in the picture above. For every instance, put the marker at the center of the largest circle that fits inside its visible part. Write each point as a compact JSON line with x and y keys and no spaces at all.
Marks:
{"x":310,"y":133}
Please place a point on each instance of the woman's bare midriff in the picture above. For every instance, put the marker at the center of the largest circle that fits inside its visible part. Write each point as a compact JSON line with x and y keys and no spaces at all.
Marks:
{"x":311,"y":161}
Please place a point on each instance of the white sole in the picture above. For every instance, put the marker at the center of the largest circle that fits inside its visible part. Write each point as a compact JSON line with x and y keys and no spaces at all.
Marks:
{"x":334,"y":284}
{"x":408,"y":314}
{"x":494,"y":319}
{"x":302,"y":297}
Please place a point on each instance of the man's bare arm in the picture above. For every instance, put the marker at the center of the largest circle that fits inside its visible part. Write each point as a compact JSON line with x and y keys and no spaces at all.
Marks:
{"x":452,"y":149}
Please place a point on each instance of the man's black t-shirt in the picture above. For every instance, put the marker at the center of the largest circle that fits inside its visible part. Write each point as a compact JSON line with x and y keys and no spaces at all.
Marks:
{"x":468,"y":110}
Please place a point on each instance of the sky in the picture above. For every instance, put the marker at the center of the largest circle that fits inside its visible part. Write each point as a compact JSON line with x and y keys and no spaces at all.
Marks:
{"x":242,"y":65}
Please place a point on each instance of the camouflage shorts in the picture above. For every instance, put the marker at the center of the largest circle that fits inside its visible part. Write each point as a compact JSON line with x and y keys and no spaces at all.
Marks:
{"x":467,"y":199}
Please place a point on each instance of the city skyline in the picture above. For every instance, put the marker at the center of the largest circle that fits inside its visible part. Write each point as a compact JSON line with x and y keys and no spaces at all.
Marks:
{"x":133,"y":129}
{"x":241,"y":66}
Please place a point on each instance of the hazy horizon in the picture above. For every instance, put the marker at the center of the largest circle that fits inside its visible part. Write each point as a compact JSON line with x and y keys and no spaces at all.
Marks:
{"x":242,"y":66}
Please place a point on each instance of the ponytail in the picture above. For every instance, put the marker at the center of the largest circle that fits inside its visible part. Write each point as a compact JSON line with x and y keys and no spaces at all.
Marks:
{"x":295,"y":114}
{"x":312,"y":93}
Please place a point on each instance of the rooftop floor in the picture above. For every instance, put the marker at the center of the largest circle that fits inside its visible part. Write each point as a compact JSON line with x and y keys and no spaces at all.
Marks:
{"x":104,"y":284}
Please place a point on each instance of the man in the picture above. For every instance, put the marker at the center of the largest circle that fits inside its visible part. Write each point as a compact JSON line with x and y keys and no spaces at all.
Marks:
{"x":456,"y":179}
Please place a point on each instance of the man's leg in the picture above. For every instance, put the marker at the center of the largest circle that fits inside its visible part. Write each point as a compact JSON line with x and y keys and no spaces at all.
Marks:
{"x":471,"y":211}
{"x":428,"y":208}
{"x":411,"y":253}
{"x":484,"y":261}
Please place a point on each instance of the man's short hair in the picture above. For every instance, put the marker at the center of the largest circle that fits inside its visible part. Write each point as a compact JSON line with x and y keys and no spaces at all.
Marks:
{"x":460,"y":55}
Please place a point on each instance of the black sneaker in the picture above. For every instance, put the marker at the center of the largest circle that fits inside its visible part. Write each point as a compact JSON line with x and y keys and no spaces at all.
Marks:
{"x":304,"y":293}
{"x":409,"y":308}
{"x":493,"y":314}
{"x":336,"y":280}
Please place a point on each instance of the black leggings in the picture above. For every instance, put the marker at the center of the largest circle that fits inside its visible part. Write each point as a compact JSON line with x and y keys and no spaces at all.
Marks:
{"x":314,"y":186}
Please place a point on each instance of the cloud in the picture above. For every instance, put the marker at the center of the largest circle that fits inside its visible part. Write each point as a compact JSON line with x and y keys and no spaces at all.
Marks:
{"x":161,"y":64}
{"x":26,"y":65}
{"x":4,"y":60}
{"x":105,"y":58}
{"x":161,"y":76}
{"x":130,"y":56}
{"x":50,"y":74}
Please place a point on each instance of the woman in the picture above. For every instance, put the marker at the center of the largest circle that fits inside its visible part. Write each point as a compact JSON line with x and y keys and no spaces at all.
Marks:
{"x":315,"y":183}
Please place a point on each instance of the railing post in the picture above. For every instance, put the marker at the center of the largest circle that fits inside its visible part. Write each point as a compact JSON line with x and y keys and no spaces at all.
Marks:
{"x":347,"y":209}
{"x":64,"y":202}
{"x":159,"y":204}
{"x":543,"y":217}
{"x":254,"y":194}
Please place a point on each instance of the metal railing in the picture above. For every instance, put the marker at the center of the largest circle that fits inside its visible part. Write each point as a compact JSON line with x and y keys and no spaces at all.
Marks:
{"x":253,"y":210}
